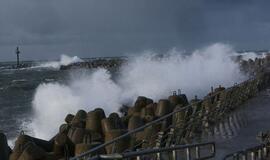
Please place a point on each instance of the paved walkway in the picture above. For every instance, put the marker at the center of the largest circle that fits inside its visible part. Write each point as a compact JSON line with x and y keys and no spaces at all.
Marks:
{"x":240,"y":130}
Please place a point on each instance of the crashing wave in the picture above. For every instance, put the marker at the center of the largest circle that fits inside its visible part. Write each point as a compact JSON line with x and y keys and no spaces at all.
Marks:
{"x":143,"y":75}
{"x":64,"y":60}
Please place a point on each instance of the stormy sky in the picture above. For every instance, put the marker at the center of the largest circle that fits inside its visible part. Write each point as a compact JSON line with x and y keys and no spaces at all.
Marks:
{"x":46,"y":29}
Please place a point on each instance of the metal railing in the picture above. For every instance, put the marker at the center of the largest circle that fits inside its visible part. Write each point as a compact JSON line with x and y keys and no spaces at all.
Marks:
{"x":193,"y":151}
{"x":260,"y":152}
{"x":221,"y":109}
{"x":130,"y":133}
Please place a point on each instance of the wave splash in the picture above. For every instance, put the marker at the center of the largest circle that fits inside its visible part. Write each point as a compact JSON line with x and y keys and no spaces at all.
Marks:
{"x":64,"y":60}
{"x":252,"y":55}
{"x":145,"y":75}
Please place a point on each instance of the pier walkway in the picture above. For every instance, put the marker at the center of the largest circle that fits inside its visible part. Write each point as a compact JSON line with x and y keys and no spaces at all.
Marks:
{"x":252,"y":118}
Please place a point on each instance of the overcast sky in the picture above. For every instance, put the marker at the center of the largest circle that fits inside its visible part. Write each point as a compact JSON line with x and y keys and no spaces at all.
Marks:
{"x":47,"y":28}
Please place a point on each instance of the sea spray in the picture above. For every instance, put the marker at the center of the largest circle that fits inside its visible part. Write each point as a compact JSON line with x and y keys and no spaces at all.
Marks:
{"x":193,"y":74}
{"x":251,"y":55}
{"x":53,"y":101}
{"x":64,"y":60}
{"x":146,"y":75}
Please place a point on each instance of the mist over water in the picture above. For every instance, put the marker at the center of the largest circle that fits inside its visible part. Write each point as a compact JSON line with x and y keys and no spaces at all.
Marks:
{"x":145,"y":75}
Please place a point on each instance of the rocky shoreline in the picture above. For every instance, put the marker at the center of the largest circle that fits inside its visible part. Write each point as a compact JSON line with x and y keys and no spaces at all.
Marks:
{"x":88,"y":129}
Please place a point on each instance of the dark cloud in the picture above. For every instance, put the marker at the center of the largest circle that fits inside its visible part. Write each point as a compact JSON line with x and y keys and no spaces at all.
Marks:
{"x":48,"y":28}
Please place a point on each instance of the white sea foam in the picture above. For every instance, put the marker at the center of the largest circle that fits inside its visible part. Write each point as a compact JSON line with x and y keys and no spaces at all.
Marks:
{"x":145,"y":75}
{"x":25,"y":126}
{"x":252,"y":55}
{"x":64,"y":60}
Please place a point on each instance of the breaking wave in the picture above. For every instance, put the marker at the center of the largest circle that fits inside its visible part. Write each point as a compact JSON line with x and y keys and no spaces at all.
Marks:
{"x":252,"y":55}
{"x":147,"y":75}
{"x":64,"y":60}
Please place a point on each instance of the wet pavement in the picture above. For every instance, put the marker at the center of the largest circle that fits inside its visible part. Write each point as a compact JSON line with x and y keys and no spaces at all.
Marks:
{"x":239,"y":131}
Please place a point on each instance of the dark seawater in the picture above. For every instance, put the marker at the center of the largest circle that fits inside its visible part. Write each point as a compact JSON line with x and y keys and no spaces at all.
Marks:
{"x":17,"y":88}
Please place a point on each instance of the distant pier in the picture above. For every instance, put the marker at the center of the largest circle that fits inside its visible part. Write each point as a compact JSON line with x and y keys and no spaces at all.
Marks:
{"x":104,"y":62}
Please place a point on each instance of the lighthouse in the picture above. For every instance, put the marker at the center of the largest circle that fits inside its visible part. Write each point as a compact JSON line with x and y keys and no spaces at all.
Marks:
{"x":18,"y":57}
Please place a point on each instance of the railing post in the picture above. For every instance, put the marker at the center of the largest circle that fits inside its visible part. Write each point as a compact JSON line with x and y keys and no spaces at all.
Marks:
{"x":113,"y":147}
{"x":252,"y":155}
{"x":213,"y":149}
{"x":244,"y":157}
{"x":138,"y":157}
{"x":188,"y":154}
{"x":158,"y":156}
{"x":197,"y":150}
{"x":265,"y":152}
{"x":174,"y":154}
{"x":259,"y":154}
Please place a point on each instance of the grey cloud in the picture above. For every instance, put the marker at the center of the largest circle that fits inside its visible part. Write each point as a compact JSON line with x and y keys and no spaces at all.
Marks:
{"x":48,"y":28}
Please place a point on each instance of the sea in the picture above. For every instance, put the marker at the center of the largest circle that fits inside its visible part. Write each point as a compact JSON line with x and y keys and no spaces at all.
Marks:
{"x":17,"y":88}
{"x":35,"y":99}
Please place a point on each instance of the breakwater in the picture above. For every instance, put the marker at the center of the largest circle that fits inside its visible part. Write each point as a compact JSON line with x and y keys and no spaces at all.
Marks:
{"x":188,"y":119}
{"x":108,"y":63}
{"x":252,"y":67}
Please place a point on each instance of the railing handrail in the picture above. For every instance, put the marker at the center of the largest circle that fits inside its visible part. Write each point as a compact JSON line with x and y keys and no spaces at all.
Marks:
{"x":245,"y":151}
{"x":156,"y":121}
{"x":130,"y":132}
{"x":155,"y":150}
